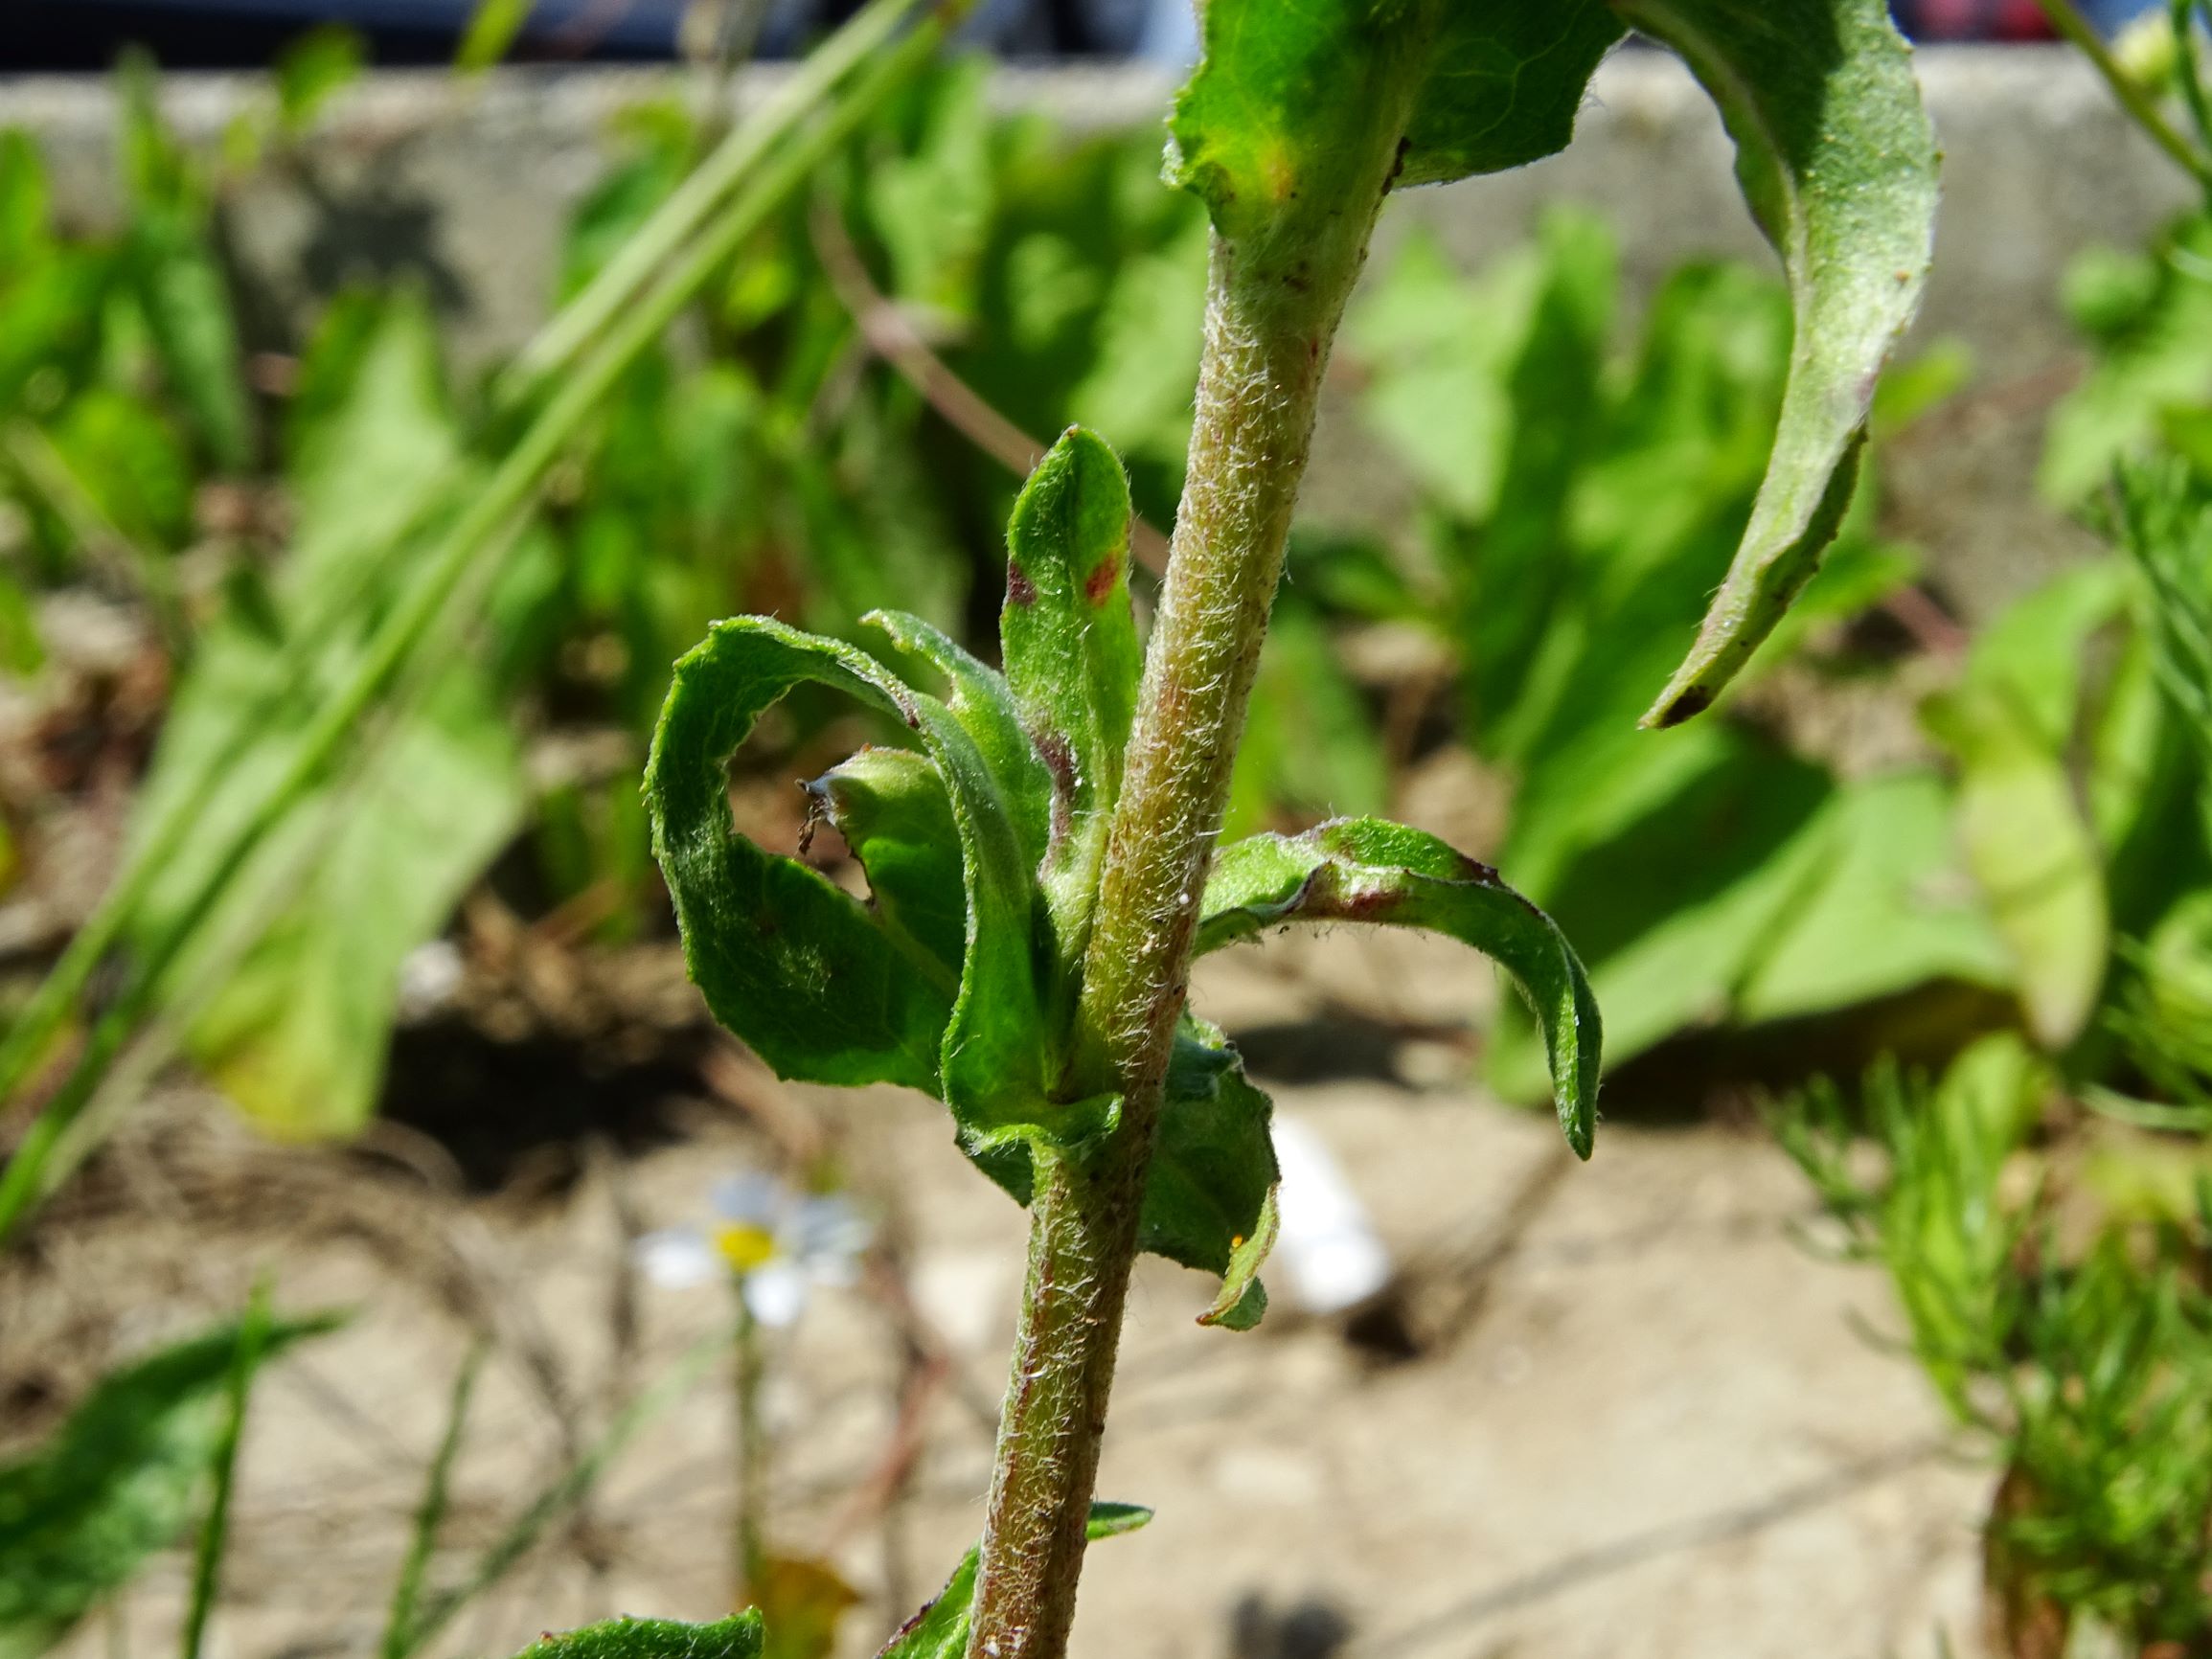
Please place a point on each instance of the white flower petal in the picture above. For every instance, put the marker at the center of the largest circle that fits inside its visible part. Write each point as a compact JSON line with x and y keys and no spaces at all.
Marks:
{"x":677,"y":1259}
{"x":751,"y":1198}
{"x":826,"y":1229}
{"x":777,"y":1293}
{"x":1328,"y":1246}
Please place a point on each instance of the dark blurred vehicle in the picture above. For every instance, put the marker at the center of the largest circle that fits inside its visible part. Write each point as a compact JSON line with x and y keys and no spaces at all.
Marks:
{"x":2006,"y":19}
{"x":245,"y":33}
{"x":87,"y":34}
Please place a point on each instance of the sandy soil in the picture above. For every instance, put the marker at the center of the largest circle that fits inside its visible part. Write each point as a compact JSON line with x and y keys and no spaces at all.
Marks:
{"x":1620,"y":1410}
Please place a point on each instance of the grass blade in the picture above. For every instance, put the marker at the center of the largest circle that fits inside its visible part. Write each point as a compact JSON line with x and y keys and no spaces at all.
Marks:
{"x":215,"y":1532}
{"x":569,"y":1489}
{"x":407,"y":1593}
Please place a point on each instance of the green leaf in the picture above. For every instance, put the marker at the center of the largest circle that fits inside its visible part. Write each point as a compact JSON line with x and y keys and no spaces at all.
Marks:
{"x":491,"y":33}
{"x":1728,"y":818}
{"x":1210,"y":1188}
{"x":1072,"y":658}
{"x":807,"y":975}
{"x":312,"y":70}
{"x":1507,"y":83}
{"x":1281,"y":90}
{"x":1837,"y":160}
{"x":1886,"y":908}
{"x":940,"y":1630}
{"x":998,"y":1073}
{"x":1365,"y":869}
{"x":891,"y":808}
{"x":2035,"y":857}
{"x":169,"y":259}
{"x":80,"y":1513}
{"x":739,"y":1637}
{"x":298,"y":1034}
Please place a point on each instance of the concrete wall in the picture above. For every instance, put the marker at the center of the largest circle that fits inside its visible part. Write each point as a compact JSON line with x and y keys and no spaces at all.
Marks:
{"x":465,"y":188}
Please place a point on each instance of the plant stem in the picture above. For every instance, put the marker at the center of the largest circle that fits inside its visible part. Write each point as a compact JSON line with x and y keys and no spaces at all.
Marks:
{"x":1274,"y":302}
{"x":752,"y":1448}
{"x":2141,"y":106}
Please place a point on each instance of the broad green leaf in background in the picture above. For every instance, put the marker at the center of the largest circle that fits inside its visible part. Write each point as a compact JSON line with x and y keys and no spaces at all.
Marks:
{"x":314,"y":69}
{"x":171,"y":263}
{"x":940,"y":1630}
{"x":1311,"y":749}
{"x":930,"y":197}
{"x":293,"y":979}
{"x":493,"y":28}
{"x":1837,"y":160}
{"x":2033,"y":854}
{"x":116,"y":1482}
{"x":2149,"y":317}
{"x":297,"y":1034}
{"x":1365,"y":869}
{"x":1884,"y":906}
{"x":1730,"y":821}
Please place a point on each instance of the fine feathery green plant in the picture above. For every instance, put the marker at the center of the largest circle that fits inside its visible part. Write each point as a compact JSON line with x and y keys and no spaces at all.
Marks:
{"x":2084,"y":1368}
{"x":1043,"y":858}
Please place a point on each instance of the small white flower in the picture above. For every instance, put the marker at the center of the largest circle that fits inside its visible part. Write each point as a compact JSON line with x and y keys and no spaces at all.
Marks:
{"x":776,"y":1243}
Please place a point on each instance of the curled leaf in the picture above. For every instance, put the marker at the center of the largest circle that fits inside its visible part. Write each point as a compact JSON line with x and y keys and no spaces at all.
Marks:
{"x":1366,"y":870}
{"x":891,"y":808}
{"x":995,"y":1070}
{"x":1837,"y":160}
{"x":809,"y":977}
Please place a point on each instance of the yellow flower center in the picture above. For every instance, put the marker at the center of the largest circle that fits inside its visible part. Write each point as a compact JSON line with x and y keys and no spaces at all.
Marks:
{"x":745,"y":1247}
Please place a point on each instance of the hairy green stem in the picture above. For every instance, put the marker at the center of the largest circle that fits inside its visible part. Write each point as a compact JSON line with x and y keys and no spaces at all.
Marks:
{"x":1274,"y":302}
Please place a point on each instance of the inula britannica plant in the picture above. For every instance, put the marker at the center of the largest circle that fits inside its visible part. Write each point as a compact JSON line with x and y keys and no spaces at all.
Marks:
{"x":1041,"y":848}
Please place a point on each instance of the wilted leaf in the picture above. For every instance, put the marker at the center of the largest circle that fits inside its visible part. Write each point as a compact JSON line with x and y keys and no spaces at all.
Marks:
{"x":118,"y":1481}
{"x":1365,"y":869}
{"x":1837,"y":160}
